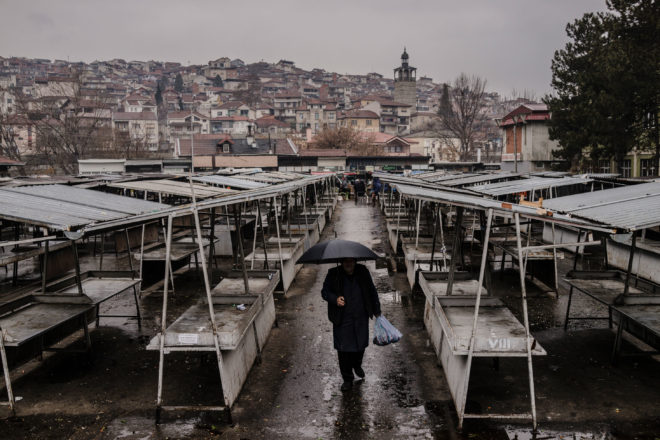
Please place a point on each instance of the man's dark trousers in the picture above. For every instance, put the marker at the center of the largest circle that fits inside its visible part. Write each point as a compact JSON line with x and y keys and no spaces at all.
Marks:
{"x":348,"y":360}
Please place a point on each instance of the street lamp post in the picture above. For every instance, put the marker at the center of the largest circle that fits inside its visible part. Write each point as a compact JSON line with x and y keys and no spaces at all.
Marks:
{"x":516,"y":120}
{"x":499,"y":122}
{"x":192,"y":143}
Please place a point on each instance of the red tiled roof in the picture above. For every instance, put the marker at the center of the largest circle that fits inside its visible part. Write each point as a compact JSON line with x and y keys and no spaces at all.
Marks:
{"x":360,"y":114}
{"x":5,"y":161}
{"x":288,"y":94}
{"x":205,"y":144}
{"x":532,"y":112}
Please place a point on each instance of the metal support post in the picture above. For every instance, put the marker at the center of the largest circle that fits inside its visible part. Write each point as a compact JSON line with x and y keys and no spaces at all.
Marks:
{"x":526,"y":322}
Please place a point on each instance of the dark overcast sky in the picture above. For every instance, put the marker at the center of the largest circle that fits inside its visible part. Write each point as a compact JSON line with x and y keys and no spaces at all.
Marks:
{"x":509,"y":42}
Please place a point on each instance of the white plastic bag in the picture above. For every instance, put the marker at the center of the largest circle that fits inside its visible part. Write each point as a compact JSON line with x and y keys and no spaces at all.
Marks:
{"x":384,"y":332}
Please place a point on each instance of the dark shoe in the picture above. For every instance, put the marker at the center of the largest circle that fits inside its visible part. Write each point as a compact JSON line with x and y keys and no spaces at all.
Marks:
{"x":346,"y":386}
{"x":359,"y":371}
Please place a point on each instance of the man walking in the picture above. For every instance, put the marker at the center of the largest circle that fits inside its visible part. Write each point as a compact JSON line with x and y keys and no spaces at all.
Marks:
{"x":352,"y":300}
{"x":360,"y":189}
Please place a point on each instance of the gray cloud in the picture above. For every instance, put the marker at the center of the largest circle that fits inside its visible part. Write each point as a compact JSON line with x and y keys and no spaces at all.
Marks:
{"x":510,"y":42}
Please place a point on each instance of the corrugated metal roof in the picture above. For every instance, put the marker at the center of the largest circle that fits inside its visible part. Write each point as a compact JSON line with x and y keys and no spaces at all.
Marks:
{"x":524,"y":185}
{"x":232,"y":182}
{"x":261,"y":193}
{"x":66,"y":208}
{"x":448,"y":177}
{"x":263,"y":177}
{"x":412,"y":181}
{"x":630,"y":207}
{"x":480,"y":202}
{"x":173,"y":187}
{"x":491,"y":177}
{"x":550,"y":173}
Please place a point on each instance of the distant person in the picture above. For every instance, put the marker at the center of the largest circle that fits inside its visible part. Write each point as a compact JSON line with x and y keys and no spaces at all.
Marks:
{"x":344,"y":186}
{"x":359,"y":190}
{"x":375,"y":191}
{"x":352,"y":300}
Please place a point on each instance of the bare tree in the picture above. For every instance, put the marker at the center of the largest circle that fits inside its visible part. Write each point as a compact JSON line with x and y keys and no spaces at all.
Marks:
{"x":70,"y":123}
{"x":465,"y":111}
{"x":8,"y":134}
{"x":130,"y":145}
{"x":348,"y":139}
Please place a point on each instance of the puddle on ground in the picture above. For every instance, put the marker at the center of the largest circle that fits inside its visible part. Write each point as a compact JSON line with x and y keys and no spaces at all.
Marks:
{"x":143,"y":428}
{"x":391,"y":297}
{"x":542,"y":434}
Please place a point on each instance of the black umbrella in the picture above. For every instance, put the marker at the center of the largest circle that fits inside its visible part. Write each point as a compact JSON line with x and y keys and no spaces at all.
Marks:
{"x":333,"y":251}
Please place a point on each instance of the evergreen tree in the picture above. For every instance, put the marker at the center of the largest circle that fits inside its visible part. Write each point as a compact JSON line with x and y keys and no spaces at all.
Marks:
{"x":217,"y":81}
{"x":605,"y":83}
{"x":178,"y":83}
{"x":159,"y":95}
{"x":445,"y":106}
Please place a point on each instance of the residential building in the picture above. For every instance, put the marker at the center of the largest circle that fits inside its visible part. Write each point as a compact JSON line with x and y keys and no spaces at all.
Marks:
{"x":272,"y":126}
{"x":362,"y":120}
{"x":532,"y":140}
{"x":285,"y":105}
{"x":182,"y":123}
{"x":23,"y":133}
{"x":233,"y":125}
{"x":439,"y":147}
{"x":213,"y":151}
{"x":138,"y":103}
{"x":136,"y":127}
{"x":233,"y":108}
{"x":394,"y":116}
{"x":315,"y":115}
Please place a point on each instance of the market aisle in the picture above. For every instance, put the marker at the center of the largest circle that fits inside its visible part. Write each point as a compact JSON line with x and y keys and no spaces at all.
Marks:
{"x":295,"y":393}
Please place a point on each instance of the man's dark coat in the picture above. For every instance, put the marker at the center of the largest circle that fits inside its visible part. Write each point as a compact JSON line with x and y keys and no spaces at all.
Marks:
{"x":350,"y":324}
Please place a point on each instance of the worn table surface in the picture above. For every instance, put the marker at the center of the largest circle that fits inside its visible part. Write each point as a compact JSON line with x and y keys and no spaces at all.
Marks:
{"x":460,"y":287}
{"x":36,"y":319}
{"x":100,"y":289}
{"x":646,"y":315}
{"x":192,"y":330}
{"x":605,"y":291}
{"x":499,"y":333}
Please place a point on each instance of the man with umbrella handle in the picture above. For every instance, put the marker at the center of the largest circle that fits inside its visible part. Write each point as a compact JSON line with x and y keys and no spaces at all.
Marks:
{"x":352,"y":300}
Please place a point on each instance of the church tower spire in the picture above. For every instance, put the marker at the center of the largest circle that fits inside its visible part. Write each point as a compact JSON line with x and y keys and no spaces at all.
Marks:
{"x":405,"y":82}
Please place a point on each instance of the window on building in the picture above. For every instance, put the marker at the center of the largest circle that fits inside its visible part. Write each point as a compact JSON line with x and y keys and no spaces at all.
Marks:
{"x":647,"y":167}
{"x":626,"y":168}
{"x":331,"y":116}
{"x":301,"y":116}
{"x":316,"y":126}
{"x":604,"y":166}
{"x":316,"y":116}
{"x":398,"y":149}
{"x":369,"y":122}
{"x":354,"y":122}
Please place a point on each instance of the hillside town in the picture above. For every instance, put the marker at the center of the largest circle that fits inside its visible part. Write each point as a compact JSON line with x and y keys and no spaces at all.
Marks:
{"x":215,"y":115}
